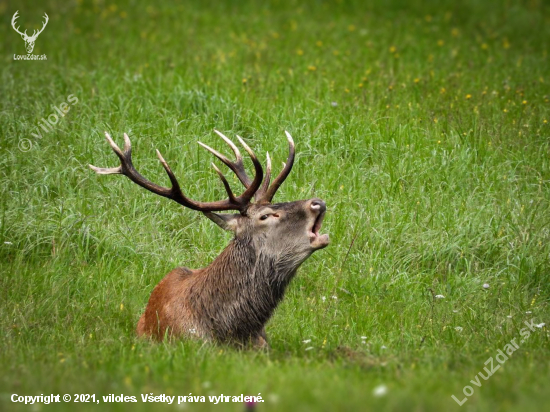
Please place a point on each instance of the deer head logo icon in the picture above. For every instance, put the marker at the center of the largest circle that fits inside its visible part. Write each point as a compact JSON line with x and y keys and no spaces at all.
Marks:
{"x":29,"y":40}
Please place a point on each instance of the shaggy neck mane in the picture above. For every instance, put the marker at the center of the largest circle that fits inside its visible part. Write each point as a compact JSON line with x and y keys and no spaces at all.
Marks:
{"x":237,"y":294}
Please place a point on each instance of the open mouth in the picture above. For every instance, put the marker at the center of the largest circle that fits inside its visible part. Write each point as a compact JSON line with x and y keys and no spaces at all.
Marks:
{"x":317,"y":224}
{"x":316,"y":239}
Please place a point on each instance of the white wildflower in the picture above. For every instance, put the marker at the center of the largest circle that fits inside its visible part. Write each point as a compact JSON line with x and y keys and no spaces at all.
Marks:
{"x":306,"y":341}
{"x":380,"y":390}
{"x":439,"y":297}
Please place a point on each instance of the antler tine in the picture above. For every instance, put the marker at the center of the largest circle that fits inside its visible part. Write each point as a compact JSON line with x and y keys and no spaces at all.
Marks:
{"x":237,"y":166}
{"x":268,"y":195}
{"x":225,"y":183}
{"x":116,"y":149}
{"x":114,"y":146}
{"x":175,"y":184}
{"x":217,"y":154}
{"x":265,"y":184}
{"x":106,"y":170}
{"x":127,"y":143}
{"x":231,"y":144}
{"x":13,"y":22}
{"x":258,"y":172}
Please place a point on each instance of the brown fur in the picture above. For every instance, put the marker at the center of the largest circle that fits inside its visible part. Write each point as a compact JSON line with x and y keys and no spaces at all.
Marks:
{"x":232,"y":299}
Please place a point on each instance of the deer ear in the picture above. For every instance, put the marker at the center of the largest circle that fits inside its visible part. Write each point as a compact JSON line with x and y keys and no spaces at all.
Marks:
{"x":227,"y":221}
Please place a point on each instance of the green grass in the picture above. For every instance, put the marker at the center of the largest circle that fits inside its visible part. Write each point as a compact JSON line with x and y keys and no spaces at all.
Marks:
{"x":423,"y":126}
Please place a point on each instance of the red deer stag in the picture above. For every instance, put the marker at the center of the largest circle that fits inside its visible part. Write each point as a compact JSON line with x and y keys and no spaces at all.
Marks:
{"x":231,"y":299}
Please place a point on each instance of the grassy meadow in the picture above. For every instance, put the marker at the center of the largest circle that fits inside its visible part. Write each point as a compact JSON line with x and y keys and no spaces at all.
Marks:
{"x":423,"y":125}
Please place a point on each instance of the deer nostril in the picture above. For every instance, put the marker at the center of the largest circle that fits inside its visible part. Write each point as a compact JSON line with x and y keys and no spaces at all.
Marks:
{"x":318,"y":204}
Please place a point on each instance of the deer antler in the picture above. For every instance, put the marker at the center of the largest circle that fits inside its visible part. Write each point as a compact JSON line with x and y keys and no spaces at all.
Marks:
{"x":287,"y":167}
{"x":13,"y":21}
{"x":266,"y":192}
{"x":35,"y":33}
{"x":126,"y":168}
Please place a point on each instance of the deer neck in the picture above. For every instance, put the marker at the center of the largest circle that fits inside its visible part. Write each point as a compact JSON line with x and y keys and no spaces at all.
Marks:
{"x":241,"y":289}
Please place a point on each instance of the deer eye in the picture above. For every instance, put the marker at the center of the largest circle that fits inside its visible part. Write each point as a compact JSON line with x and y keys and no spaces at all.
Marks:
{"x":264,"y":217}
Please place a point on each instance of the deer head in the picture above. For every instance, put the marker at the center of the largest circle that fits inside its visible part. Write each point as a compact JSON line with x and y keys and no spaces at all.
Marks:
{"x":234,"y":296}
{"x":29,"y":40}
{"x":273,"y":225}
